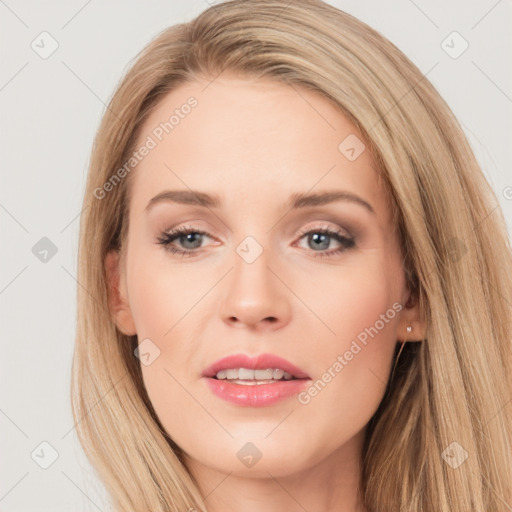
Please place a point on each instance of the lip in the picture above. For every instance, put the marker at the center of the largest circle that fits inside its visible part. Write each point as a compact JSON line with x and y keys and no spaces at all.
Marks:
{"x":259,"y":362}
{"x":255,"y":395}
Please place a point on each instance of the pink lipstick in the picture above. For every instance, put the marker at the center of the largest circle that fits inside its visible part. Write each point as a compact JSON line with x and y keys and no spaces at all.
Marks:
{"x":255,"y":381}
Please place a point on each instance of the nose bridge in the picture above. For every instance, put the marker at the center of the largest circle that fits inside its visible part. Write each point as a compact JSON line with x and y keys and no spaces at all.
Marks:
{"x":254,"y":292}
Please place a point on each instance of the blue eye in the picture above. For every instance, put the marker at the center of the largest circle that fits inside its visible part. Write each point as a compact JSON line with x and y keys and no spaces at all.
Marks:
{"x":184,"y":236}
{"x":322,"y":237}
{"x":190,"y":239}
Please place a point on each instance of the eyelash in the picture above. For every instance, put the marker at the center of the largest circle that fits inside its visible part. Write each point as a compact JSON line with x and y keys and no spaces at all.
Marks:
{"x":166,"y":238}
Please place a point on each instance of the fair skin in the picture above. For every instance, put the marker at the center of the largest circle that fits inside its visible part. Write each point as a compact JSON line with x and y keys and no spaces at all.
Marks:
{"x":254,"y":143}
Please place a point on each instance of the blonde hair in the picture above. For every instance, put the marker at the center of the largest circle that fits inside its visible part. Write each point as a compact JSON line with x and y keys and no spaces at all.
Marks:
{"x":452,"y":387}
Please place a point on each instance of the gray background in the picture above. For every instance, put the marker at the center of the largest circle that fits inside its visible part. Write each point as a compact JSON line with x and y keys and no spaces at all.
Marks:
{"x":50,"y":110}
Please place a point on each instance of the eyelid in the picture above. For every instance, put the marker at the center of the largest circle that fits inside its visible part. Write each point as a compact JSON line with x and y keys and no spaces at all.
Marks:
{"x":342,"y":231}
{"x":313,"y":225}
{"x":341,"y":235}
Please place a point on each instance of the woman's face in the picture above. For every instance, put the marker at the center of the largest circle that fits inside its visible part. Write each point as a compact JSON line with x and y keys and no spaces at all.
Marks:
{"x":318,"y":283}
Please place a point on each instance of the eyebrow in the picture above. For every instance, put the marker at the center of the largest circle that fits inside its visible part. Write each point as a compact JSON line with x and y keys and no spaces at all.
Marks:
{"x":296,"y":200}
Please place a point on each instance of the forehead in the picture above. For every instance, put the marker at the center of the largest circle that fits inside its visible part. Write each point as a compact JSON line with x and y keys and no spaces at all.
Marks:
{"x":251,"y":141}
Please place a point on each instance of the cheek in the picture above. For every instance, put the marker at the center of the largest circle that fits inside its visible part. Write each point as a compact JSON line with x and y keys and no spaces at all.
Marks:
{"x":362,"y":310}
{"x":351,"y":300}
{"x":167,"y":302}
{"x":151,"y":303}
{"x":161,"y":293}
{"x":163,"y":306}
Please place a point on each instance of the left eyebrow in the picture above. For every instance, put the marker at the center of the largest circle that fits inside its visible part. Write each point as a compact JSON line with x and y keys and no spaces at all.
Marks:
{"x":299,"y":200}
{"x":296,"y":201}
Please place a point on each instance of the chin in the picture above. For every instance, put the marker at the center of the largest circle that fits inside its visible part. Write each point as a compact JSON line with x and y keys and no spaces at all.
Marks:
{"x":257,"y":458}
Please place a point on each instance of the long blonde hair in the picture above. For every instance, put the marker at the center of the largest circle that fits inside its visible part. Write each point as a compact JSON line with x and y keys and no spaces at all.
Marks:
{"x":441,"y":438}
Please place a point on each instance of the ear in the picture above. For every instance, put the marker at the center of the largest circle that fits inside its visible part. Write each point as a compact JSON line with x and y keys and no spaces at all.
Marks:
{"x":410,"y":317}
{"x":117,"y":296}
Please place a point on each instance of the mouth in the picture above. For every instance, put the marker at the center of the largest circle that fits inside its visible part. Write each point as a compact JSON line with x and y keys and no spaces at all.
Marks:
{"x":255,"y":381}
{"x":249,"y":376}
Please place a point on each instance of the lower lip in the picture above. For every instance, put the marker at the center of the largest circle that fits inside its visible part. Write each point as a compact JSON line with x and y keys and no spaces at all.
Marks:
{"x":256,"y":395}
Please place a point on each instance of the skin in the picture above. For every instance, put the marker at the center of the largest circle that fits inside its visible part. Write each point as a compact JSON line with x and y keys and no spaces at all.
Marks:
{"x":254,"y":142}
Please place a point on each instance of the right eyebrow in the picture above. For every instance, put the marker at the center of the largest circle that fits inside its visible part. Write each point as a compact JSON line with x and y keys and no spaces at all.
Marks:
{"x":191,"y":197}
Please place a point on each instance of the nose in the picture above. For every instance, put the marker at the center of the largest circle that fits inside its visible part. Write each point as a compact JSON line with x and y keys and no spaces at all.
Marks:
{"x":256,"y":296}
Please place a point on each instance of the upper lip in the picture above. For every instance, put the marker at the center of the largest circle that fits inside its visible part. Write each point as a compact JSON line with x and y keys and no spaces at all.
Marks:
{"x":259,"y":362}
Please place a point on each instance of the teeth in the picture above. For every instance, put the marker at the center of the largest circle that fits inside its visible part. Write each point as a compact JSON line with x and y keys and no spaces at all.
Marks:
{"x":278,"y":373}
{"x":245,"y":374}
{"x":231,"y":374}
{"x":248,"y":374}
